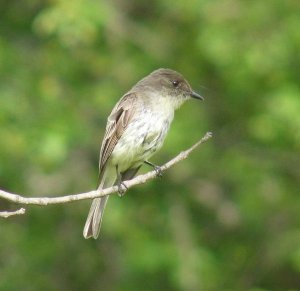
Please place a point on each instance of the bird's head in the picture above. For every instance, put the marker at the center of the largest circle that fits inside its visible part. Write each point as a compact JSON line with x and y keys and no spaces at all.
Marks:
{"x":170,"y":84}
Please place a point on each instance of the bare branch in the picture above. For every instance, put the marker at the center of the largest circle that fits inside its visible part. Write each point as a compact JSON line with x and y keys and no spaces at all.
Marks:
{"x":141,"y":179}
{"x":6,"y":214}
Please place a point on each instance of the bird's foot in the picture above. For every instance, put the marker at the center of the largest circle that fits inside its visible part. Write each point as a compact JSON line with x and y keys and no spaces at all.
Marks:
{"x":158,"y":171}
{"x":156,"y":168}
{"x":122,"y":188}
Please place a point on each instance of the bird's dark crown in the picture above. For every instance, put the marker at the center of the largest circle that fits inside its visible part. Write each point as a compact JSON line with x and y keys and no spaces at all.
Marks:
{"x":166,"y":79}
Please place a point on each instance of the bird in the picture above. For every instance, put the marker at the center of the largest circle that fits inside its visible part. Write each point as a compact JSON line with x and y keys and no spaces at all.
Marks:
{"x":136,"y":128}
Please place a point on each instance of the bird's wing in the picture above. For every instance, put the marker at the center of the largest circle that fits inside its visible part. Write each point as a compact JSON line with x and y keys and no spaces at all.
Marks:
{"x":116,"y":124}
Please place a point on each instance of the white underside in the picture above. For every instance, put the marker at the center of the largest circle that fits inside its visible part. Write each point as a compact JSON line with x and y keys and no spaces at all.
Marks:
{"x":143,"y":137}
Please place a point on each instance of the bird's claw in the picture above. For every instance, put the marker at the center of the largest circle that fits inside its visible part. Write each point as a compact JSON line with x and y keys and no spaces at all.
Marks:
{"x":122,"y":188}
{"x":158,"y":171}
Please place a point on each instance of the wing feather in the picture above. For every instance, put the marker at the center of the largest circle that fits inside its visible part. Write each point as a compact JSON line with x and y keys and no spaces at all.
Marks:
{"x":116,"y":124}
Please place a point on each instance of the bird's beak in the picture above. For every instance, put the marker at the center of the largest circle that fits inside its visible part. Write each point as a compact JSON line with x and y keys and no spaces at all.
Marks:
{"x":196,"y":95}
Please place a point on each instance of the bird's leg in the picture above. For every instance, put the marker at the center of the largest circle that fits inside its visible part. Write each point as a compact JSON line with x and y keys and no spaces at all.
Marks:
{"x":157,"y":169}
{"x":122,"y":188}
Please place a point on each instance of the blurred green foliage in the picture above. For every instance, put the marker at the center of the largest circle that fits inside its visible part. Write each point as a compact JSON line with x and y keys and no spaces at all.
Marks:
{"x":228,"y":218}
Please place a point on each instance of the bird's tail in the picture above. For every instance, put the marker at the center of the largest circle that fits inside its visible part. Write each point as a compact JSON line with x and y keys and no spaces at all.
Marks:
{"x":94,"y":219}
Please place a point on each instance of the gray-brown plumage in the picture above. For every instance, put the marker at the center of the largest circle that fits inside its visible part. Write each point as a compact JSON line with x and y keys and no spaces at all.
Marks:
{"x":135,"y":130}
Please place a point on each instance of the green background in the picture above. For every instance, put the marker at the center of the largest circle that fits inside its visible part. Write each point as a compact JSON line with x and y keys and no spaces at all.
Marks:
{"x":227,"y":218}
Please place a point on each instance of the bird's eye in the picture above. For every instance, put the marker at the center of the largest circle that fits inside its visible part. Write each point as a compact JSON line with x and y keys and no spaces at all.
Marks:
{"x":175,"y":83}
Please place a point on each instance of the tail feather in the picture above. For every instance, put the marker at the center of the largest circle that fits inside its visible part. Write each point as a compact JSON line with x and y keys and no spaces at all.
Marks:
{"x":94,"y":219}
{"x":95,"y":216}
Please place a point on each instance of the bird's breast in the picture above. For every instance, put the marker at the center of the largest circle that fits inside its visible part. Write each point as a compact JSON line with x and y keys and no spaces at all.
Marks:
{"x":143,"y":136}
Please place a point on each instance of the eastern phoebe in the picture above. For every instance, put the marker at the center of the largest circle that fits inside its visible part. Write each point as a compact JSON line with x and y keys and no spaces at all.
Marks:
{"x":135,"y":130}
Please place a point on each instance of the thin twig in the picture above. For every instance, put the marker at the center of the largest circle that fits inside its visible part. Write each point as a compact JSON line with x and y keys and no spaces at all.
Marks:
{"x":6,"y":214}
{"x":141,"y":179}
